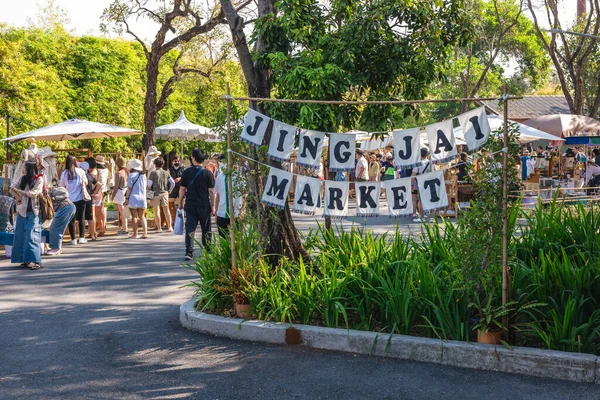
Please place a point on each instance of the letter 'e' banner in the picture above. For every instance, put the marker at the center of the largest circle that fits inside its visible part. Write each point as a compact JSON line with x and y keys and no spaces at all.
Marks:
{"x":255,"y":127}
{"x":342,"y":151}
{"x":407,"y":148}
{"x":475,"y":127}
{"x":306,"y":195}
{"x":336,"y":199}
{"x":282,"y":141}
{"x":310,"y":147}
{"x":432,"y":190}
{"x":277,"y":188}
{"x":442,"y":144}
{"x":399,"y":197}
{"x":367,"y":199}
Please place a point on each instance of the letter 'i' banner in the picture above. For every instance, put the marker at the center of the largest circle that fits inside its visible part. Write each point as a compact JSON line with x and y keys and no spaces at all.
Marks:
{"x":282,"y":141}
{"x":306,"y":196}
{"x":432,"y":191}
{"x":255,"y":127}
{"x":310,"y":147}
{"x":342,"y":150}
{"x":277,"y":188}
{"x":367,"y":199}
{"x":399,"y":197}
{"x":407,"y":148}
{"x":475,"y":127}
{"x":442,"y":144}
{"x":336,"y":199}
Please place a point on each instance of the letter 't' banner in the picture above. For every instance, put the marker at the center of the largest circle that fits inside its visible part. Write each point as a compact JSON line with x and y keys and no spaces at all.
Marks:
{"x":342,"y":150}
{"x":407,"y":148}
{"x":336,"y":199}
{"x":399,"y":197}
{"x":255,"y":127}
{"x":277,"y":188}
{"x":432,"y":190}
{"x":306,"y":196}
{"x":367,"y":199}
{"x":282,"y":141}
{"x":442,"y":144}
{"x":475,"y":127}
{"x":310,"y":148}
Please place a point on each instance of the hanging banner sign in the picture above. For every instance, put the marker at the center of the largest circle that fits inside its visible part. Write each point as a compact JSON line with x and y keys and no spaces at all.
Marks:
{"x":255,"y":127}
{"x":336,"y":199}
{"x":277,"y":188}
{"x":367,"y":199}
{"x":442,"y":143}
{"x":342,"y":150}
{"x":306,"y":196}
{"x":399,"y":197}
{"x":282,"y":141}
{"x":310,"y":149}
{"x":432,"y":191}
{"x":407,"y":148}
{"x":475,"y":127}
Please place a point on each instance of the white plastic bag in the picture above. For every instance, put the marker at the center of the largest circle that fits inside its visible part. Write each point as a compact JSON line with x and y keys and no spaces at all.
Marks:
{"x":179,"y":225}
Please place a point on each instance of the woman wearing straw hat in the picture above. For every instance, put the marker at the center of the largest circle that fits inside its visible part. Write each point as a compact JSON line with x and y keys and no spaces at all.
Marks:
{"x":99,"y":213}
{"x":135,"y":197}
{"x":118,"y":193}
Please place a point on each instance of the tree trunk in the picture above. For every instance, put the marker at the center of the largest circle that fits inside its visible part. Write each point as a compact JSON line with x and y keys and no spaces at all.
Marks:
{"x":150,"y":104}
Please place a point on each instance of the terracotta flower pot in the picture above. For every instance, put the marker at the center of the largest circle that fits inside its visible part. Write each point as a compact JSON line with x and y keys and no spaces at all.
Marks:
{"x":490,"y":337}
{"x":242,"y":310}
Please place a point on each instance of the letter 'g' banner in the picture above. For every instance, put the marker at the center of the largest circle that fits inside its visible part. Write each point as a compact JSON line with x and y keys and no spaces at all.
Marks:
{"x":277,"y":188}
{"x":306,"y":195}
{"x":475,"y":127}
{"x":432,"y":191}
{"x":342,"y":151}
{"x":407,"y":148}
{"x":399,"y":197}
{"x":336,"y":199}
{"x":367,"y":199}
{"x":255,"y":127}
{"x":310,"y":147}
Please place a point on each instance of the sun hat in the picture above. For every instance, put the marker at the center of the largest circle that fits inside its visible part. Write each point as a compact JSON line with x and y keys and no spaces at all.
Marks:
{"x":136,"y":164}
{"x":388,"y":154}
{"x":47,"y":152}
{"x":121,"y":162}
{"x":153,"y":151}
{"x":84,"y":166}
{"x":100,"y":160}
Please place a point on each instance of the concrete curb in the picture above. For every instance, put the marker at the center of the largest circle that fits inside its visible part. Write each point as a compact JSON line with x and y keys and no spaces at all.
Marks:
{"x":550,"y":364}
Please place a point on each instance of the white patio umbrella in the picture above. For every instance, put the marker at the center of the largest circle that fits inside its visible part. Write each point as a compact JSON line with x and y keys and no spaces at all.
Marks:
{"x":184,"y":130}
{"x":73,"y":129}
{"x":527,"y":134}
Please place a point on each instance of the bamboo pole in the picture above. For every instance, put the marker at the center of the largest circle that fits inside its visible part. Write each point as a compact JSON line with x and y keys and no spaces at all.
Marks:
{"x":389,"y":102}
{"x":230,"y":183}
{"x":505,"y":217}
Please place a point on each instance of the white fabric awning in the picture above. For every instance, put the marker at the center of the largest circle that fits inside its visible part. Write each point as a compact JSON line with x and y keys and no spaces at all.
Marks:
{"x":183,"y":129}
{"x":73,"y":129}
{"x":527,"y":134}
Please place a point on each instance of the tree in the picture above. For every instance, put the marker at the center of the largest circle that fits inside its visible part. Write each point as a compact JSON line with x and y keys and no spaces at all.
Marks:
{"x":570,"y":55}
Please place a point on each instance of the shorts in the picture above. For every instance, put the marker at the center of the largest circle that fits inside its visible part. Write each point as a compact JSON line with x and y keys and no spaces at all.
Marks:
{"x":89,"y":211}
{"x":119,"y":196}
{"x":160,"y":200}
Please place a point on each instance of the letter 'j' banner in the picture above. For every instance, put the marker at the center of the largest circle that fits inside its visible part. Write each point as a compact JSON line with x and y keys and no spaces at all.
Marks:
{"x":399,"y":197}
{"x":432,"y":191}
{"x":255,"y":127}
{"x":342,"y":151}
{"x":442,"y":144}
{"x":277,"y":188}
{"x":310,"y":147}
{"x":336,"y":199}
{"x":367,"y":199}
{"x":306,"y":195}
{"x":475,"y":127}
{"x":282,"y":141}
{"x":407,"y":148}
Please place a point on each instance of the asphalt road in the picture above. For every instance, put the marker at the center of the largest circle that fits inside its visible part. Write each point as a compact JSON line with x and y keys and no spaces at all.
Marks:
{"x":101,"y":322}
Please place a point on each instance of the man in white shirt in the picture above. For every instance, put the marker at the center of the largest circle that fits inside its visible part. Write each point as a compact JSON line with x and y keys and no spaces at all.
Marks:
{"x":362,"y":167}
{"x":222,"y":201}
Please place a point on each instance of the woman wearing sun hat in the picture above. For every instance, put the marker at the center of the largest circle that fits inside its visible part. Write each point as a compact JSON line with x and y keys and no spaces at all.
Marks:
{"x":99,"y":213}
{"x":118,"y":193}
{"x":135,"y":198}
{"x":151,"y":155}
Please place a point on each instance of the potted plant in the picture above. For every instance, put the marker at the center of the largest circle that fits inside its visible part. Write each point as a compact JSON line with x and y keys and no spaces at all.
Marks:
{"x":240,"y":287}
{"x":489,"y":324}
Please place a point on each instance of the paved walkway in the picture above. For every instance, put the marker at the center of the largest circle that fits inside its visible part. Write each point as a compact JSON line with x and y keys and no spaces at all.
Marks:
{"x":101,"y":322}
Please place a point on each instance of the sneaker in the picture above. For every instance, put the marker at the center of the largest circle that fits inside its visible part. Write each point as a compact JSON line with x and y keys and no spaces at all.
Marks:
{"x":420,"y":220}
{"x":53,"y":252}
{"x":82,"y":240}
{"x":122,"y":232}
{"x":189,"y":256}
{"x":74,"y":242}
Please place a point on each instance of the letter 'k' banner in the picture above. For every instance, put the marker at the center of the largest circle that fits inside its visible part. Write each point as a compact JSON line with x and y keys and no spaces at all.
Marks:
{"x":255,"y":127}
{"x":432,"y":191}
{"x":277,"y":188}
{"x":336,"y":199}
{"x":306,"y":196}
{"x":310,"y":147}
{"x":367,"y":199}
{"x":342,"y":151}
{"x":399,"y":197}
{"x":475,"y":127}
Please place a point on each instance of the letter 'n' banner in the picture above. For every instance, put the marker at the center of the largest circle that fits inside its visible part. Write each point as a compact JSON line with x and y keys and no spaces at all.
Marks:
{"x":277,"y":188}
{"x":336,"y":199}
{"x":367,"y":199}
{"x":282,"y":141}
{"x":310,"y":147}
{"x":255,"y":127}
{"x":475,"y":127}
{"x":306,"y":196}
{"x":342,"y":150}
{"x":442,"y":144}
{"x":399,"y":197}
{"x":432,"y":190}
{"x":407,"y":148}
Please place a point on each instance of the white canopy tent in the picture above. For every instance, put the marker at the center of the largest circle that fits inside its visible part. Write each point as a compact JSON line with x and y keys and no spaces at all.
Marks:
{"x":184,"y":130}
{"x":73,"y":129}
{"x":527,"y":134}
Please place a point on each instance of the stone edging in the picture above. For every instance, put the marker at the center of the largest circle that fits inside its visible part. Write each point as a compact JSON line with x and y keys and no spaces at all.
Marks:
{"x":520,"y":360}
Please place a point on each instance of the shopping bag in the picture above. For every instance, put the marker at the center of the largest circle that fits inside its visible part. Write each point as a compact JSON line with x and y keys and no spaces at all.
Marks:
{"x":179,"y":228}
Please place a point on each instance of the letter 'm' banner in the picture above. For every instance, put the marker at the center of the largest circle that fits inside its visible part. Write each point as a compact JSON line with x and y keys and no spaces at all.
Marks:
{"x":399,"y":197}
{"x":367,"y":199}
{"x":407,"y":148}
{"x":475,"y":127}
{"x":282,"y":141}
{"x":306,"y":195}
{"x":255,"y":127}
{"x":277,"y":188}
{"x":342,"y":150}
{"x":432,"y":191}
{"x":442,"y":144}
{"x":336,"y":199}
{"x":310,"y":147}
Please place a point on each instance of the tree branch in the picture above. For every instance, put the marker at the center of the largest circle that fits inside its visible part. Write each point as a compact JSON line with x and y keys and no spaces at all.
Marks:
{"x":140,"y":41}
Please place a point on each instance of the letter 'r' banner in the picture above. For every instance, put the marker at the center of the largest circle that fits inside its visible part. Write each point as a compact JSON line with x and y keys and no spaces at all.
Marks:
{"x":399,"y":197}
{"x":255,"y":127}
{"x":432,"y":191}
{"x":306,"y":195}
{"x":342,"y":151}
{"x":367,"y":199}
{"x":475,"y":127}
{"x":336,"y":199}
{"x":277,"y":188}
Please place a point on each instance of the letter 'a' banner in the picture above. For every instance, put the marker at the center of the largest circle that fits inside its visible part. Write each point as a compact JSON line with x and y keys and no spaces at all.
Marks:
{"x":306,"y":195}
{"x":432,"y":190}
{"x":310,"y":147}
{"x":277,"y":188}
{"x":475,"y":127}
{"x":342,"y":150}
{"x":399,"y":197}
{"x":255,"y":127}
{"x":336,"y":199}
{"x":407,"y":148}
{"x":367,"y":199}
{"x":282,"y":141}
{"x":442,"y":144}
